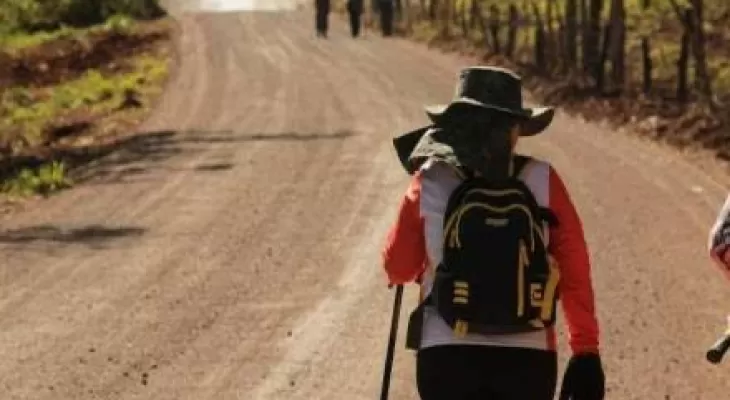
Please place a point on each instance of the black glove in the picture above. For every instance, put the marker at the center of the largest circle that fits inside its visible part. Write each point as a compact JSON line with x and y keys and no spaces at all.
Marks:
{"x":583,"y":378}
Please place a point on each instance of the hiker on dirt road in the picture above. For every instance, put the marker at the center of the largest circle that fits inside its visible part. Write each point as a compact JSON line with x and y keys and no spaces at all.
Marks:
{"x":490,"y":261}
{"x":719,"y":240}
{"x":385,"y":10}
{"x":354,"y":9}
{"x":322,"y":16}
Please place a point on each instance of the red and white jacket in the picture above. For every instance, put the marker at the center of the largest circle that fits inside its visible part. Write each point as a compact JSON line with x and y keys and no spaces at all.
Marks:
{"x":414,"y":247}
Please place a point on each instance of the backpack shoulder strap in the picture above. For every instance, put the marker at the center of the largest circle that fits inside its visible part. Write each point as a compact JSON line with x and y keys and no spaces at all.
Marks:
{"x":519,"y":163}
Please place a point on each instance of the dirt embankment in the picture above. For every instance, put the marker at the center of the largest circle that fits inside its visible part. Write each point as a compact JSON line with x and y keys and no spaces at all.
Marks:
{"x":64,"y":59}
{"x":77,"y":134}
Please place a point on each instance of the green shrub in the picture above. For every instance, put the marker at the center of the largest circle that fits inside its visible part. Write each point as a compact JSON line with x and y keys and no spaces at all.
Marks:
{"x":36,"y":15}
{"x":45,"y":180}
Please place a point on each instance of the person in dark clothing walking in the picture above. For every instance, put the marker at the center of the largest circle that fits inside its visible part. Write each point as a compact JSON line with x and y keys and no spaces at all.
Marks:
{"x":322,"y":16}
{"x":385,"y":8}
{"x":354,"y":8}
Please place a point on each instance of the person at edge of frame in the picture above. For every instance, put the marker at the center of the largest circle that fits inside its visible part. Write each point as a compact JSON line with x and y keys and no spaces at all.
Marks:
{"x":516,"y":366}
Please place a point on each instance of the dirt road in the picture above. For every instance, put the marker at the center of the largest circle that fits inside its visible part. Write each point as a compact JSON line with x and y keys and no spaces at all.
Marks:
{"x":231,"y":252}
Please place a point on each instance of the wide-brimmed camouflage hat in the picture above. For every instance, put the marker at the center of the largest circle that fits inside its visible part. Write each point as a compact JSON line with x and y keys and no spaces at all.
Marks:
{"x":494,"y":88}
{"x":480,"y":89}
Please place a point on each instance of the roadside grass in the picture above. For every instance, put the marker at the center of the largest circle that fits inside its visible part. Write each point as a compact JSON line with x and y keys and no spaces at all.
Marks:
{"x":35,"y":118}
{"x":28,"y":112}
{"x":44,"y":180}
{"x":12,"y":42}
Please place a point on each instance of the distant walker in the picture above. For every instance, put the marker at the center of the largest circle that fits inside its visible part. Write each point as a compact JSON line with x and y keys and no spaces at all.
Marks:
{"x":322,"y":17}
{"x":354,"y":9}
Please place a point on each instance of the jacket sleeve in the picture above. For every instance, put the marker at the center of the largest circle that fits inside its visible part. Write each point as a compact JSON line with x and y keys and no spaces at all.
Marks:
{"x":719,"y":230}
{"x":719,"y":238}
{"x":404,"y":253}
{"x":568,"y":247}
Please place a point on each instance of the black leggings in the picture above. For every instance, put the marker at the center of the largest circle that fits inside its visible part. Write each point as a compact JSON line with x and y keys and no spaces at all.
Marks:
{"x":386,"y":18}
{"x":486,"y":373}
{"x":355,"y":23}
{"x":321,"y":20}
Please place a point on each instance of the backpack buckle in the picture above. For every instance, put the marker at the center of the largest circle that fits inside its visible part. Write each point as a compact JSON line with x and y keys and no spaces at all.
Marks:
{"x":461,"y":328}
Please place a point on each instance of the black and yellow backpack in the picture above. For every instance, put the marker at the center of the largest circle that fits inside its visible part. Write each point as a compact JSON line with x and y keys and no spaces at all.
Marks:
{"x":496,"y":275}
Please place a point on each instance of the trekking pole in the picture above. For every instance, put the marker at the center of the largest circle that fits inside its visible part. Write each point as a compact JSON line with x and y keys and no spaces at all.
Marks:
{"x":720,"y":347}
{"x":391,"y":342}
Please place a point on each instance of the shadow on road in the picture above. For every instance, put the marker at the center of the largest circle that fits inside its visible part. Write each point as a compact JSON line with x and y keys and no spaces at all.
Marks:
{"x":231,"y":137}
{"x":150,"y":151}
{"x":214,"y":167}
{"x":120,"y":159}
{"x":92,"y":234}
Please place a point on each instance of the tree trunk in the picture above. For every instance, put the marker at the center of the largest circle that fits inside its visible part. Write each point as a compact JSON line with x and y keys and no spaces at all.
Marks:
{"x":539,"y":40}
{"x":432,"y":8}
{"x":560,"y":45}
{"x":683,"y":61}
{"x":571,"y":33}
{"x":494,"y":28}
{"x":600,"y":65}
{"x":618,"y":44}
{"x":592,"y":39}
{"x":646,"y":56}
{"x":473,"y":10}
{"x":583,"y":29}
{"x":549,"y":38}
{"x":477,"y":17}
{"x":702,"y":76}
{"x":447,"y":8}
{"x":462,"y":20}
{"x":647,"y":65}
{"x":514,"y":20}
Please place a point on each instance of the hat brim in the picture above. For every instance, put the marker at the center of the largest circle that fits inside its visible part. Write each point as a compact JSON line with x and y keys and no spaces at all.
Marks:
{"x":533,"y":120}
{"x":404,"y":145}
